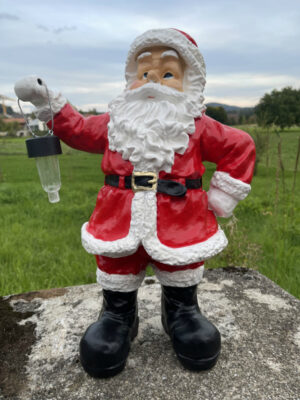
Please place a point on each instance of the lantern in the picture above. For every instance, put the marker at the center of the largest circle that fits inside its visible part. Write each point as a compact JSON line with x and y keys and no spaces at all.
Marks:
{"x":45,"y":150}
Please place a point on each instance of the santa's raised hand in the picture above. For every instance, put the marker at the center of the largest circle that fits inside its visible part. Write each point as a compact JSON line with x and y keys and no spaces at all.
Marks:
{"x":34,"y":90}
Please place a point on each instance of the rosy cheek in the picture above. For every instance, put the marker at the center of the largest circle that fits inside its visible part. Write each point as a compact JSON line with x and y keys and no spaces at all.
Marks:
{"x":136,"y":84}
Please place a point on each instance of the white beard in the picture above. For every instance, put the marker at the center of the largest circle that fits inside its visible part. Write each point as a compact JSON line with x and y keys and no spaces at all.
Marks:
{"x":148,"y":131}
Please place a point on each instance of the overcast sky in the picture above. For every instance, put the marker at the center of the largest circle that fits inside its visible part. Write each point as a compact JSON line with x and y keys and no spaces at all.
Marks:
{"x":80,"y":47}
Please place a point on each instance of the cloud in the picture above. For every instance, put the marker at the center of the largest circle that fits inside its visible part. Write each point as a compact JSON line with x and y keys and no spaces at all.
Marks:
{"x":249,"y":48}
{"x":64,"y":29}
{"x":43,"y":28}
{"x":56,"y":30}
{"x":98,"y":88}
{"x":9,"y":17}
{"x":245,"y":89}
{"x":248,"y":80}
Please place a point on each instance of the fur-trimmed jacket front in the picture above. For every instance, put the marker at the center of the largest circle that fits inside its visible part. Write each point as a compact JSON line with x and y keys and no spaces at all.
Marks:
{"x":173,"y":230}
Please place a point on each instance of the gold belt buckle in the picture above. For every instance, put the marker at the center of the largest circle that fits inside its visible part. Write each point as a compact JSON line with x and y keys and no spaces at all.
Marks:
{"x":153,"y":181}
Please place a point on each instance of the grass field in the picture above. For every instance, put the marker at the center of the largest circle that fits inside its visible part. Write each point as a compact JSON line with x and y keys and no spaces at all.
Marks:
{"x":40,"y":242}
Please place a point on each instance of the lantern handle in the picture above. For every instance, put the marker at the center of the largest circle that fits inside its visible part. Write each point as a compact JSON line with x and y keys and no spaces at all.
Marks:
{"x":50,"y":132}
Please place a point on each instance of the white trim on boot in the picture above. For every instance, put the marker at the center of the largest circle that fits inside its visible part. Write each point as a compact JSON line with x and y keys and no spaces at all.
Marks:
{"x":186,"y":278}
{"x":118,"y":282}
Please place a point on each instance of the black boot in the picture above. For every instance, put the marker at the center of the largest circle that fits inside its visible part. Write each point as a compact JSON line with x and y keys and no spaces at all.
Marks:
{"x":196,"y":341}
{"x":106,"y":343}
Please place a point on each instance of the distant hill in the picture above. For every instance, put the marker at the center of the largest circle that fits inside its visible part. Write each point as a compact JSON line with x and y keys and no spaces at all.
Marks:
{"x":233,"y":109}
{"x":235,"y":114}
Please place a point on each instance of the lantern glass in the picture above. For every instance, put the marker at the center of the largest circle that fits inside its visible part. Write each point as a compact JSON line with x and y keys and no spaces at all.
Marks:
{"x":48,"y":169}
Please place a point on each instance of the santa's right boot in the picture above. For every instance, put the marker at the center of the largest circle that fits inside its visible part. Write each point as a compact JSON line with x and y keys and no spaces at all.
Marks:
{"x":106,"y":343}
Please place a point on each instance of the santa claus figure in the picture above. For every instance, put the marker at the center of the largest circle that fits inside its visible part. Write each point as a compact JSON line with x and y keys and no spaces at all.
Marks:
{"x":152,"y":208}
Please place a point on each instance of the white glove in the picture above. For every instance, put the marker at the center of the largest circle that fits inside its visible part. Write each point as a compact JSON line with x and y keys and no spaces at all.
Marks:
{"x":33,"y":89}
{"x":225,"y":192}
{"x":221,"y":203}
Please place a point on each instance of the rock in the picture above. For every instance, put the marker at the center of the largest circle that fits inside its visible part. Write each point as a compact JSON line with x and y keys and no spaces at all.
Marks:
{"x":259,"y":323}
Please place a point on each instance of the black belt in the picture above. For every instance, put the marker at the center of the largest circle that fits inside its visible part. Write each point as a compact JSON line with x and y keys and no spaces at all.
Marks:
{"x":142,"y":181}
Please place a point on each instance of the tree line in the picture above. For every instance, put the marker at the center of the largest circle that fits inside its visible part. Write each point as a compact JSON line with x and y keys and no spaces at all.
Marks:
{"x":280,"y":108}
{"x":238,"y":116}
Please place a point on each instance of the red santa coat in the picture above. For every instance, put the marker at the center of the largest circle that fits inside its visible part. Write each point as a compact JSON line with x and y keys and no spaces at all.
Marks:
{"x":175,"y":231}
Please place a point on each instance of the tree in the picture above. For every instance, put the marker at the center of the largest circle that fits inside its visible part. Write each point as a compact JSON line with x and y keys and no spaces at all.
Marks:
{"x":217,"y":113}
{"x":10,"y":127}
{"x":280,"y":108}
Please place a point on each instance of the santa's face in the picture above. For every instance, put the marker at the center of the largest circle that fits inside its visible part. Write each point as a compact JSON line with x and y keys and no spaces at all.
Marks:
{"x":161,"y":65}
{"x":152,"y":119}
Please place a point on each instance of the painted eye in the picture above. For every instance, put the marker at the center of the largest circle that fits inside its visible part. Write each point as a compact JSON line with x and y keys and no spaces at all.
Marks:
{"x":145,"y":75}
{"x":168,"y":75}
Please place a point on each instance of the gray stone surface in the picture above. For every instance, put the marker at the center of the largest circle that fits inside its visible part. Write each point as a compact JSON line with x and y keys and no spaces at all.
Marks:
{"x":260,"y":359}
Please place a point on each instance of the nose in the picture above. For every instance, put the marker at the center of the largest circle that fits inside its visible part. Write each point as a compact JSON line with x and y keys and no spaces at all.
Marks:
{"x":153,"y":76}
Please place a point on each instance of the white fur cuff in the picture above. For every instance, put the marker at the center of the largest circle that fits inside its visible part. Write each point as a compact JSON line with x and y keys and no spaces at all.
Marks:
{"x":184,"y":278}
{"x":120,"y":283}
{"x":57,"y":103}
{"x":234,"y":187}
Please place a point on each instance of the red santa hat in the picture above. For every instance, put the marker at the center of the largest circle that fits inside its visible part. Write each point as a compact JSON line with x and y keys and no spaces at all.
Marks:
{"x":186,"y":47}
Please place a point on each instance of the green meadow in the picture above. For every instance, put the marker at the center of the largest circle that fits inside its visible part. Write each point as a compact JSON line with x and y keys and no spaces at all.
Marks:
{"x":40,"y":242}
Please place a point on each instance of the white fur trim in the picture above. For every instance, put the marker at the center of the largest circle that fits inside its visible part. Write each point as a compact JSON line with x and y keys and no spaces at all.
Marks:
{"x":188,"y":277}
{"x":57,"y":103}
{"x":120,"y":283}
{"x":143,"y":230}
{"x":180,"y":255}
{"x":120,"y":247}
{"x":234,"y":187}
{"x":188,"y":254}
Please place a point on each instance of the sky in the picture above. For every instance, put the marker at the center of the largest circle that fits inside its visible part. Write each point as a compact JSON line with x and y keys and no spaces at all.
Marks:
{"x":79,"y":47}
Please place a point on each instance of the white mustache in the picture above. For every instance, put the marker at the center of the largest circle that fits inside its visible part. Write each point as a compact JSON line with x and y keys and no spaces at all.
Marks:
{"x":156,"y":92}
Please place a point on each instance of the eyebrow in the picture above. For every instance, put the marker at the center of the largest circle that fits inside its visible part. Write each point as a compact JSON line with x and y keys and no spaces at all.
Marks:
{"x":169,"y":53}
{"x":144,"y":54}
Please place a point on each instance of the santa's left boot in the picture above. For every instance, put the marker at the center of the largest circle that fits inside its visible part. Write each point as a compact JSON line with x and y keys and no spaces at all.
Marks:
{"x":196,"y":341}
